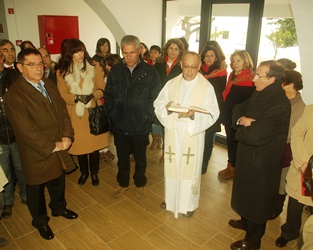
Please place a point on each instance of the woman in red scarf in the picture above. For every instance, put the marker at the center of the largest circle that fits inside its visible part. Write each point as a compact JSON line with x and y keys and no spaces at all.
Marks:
{"x":239,"y":88}
{"x":168,"y":66}
{"x":214,"y":69}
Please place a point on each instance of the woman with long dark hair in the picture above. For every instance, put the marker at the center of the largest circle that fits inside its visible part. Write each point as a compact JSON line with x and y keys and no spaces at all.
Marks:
{"x":213,"y":70}
{"x":81,"y":81}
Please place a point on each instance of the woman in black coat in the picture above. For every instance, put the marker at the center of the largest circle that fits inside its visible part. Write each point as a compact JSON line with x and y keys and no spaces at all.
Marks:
{"x":169,"y":67}
{"x":213,"y":68}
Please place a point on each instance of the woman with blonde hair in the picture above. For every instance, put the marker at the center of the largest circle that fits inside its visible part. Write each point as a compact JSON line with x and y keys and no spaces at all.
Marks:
{"x":81,"y":81}
{"x":239,"y":88}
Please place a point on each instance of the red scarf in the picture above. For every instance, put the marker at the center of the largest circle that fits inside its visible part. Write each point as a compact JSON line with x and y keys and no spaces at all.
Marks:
{"x":215,"y":73}
{"x":243,"y":79}
{"x":150,"y":62}
{"x":168,"y":69}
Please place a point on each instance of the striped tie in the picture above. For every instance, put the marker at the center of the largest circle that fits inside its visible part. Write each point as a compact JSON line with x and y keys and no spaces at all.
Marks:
{"x":43,"y":91}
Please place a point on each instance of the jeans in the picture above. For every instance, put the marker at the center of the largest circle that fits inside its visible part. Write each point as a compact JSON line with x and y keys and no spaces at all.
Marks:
{"x":7,"y":151}
{"x":156,"y":130}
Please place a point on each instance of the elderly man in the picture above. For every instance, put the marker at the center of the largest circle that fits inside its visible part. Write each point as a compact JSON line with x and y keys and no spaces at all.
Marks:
{"x":184,"y":134}
{"x":49,"y":65}
{"x":7,"y":49}
{"x":262,"y":124}
{"x":43,"y":133}
{"x":131,"y":89}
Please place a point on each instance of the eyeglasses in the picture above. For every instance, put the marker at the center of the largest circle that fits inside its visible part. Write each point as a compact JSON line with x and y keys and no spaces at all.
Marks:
{"x":256,"y":76}
{"x":193,"y":67}
{"x":33,"y":65}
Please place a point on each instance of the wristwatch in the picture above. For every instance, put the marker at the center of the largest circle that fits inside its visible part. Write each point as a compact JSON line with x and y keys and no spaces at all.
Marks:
{"x":75,"y":99}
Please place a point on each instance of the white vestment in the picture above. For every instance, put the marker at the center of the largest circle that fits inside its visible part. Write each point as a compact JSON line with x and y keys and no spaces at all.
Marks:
{"x":184,"y":140}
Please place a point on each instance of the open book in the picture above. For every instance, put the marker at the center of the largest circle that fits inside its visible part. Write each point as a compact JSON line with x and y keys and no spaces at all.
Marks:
{"x":179,"y":109}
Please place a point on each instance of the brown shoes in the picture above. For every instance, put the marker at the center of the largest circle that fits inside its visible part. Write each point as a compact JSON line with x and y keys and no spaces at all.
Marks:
{"x":119,"y":191}
{"x":161,"y":159}
{"x":227,"y":173}
{"x":107,"y":156}
{"x":141,"y":192}
{"x":154,"y":143}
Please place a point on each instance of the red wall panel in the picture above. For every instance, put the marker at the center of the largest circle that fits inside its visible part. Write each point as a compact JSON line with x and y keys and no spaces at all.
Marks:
{"x":54,"y":29}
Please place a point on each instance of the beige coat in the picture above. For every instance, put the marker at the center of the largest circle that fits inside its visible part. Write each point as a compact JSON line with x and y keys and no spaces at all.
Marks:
{"x":87,"y":83}
{"x":301,"y":146}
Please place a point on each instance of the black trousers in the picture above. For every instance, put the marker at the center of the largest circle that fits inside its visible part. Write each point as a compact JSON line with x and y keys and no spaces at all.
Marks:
{"x":291,"y":229}
{"x":91,"y":160}
{"x":254,"y":232}
{"x":231,"y":144}
{"x":125,"y":145}
{"x":208,"y":147}
{"x":37,"y":204}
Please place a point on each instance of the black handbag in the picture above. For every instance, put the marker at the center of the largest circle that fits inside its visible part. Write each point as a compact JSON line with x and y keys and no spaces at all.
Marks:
{"x":99,"y":123}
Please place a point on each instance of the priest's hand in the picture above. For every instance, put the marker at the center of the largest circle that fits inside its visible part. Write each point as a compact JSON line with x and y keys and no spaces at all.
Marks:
{"x":167,"y":106}
{"x":190,"y":114}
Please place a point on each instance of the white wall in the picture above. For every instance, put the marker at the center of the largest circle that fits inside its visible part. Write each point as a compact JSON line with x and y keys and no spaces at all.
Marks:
{"x":302,"y":12}
{"x":23,"y":24}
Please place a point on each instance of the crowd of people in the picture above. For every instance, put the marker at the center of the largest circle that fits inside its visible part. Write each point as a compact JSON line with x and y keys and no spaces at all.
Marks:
{"x":181,"y":99}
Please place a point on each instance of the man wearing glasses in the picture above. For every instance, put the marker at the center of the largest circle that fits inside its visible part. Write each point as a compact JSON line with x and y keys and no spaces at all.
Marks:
{"x":43,"y":133}
{"x":185,"y":133}
{"x":262,"y":124}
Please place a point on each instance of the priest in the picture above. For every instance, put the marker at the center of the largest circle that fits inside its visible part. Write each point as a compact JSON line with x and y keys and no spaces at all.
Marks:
{"x":184,"y":134}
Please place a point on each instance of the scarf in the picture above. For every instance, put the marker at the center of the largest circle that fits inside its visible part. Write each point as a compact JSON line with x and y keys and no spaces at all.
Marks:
{"x":243,"y":79}
{"x":74,"y":79}
{"x":168,"y":69}
{"x":205,"y":69}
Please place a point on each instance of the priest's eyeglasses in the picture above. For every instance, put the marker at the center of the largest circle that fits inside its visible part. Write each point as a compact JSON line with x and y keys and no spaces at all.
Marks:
{"x":193,"y":67}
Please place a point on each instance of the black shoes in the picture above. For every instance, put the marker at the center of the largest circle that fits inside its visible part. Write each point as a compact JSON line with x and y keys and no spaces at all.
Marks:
{"x":281,"y":242}
{"x":188,"y":214}
{"x":7,"y":211}
{"x":163,"y":205}
{"x":243,"y":245}
{"x":82,"y":179}
{"x":46,"y":232}
{"x":68,"y":214}
{"x":94,"y":180}
{"x":238,"y":224}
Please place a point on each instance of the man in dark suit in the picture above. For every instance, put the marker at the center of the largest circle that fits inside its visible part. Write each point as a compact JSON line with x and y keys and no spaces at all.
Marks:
{"x":49,"y":65}
{"x":43,"y":133}
{"x":262,"y":124}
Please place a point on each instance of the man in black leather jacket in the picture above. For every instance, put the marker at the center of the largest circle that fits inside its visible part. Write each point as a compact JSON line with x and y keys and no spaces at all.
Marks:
{"x":9,"y":154}
{"x":131,"y":89}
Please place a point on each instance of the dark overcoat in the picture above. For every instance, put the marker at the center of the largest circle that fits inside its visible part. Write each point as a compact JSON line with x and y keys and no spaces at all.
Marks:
{"x":38,"y":124}
{"x":259,"y":153}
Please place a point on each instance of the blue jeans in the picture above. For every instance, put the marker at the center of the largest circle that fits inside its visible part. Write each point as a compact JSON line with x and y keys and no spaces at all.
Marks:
{"x":7,"y":152}
{"x":156,"y":130}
